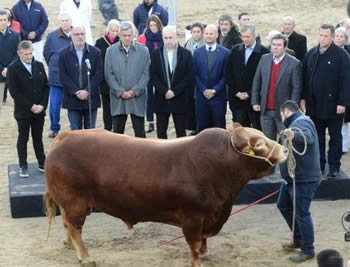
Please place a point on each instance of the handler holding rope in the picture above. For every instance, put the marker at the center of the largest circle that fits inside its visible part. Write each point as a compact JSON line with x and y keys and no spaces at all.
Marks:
{"x":300,"y":131}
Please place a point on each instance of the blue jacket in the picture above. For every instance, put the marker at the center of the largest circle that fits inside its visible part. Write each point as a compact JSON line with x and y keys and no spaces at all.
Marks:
{"x":8,"y":49}
{"x":70,"y":71}
{"x":215,"y":79}
{"x":35,"y":19}
{"x":307,"y":166}
{"x":140,"y":15}
{"x":55,"y":42}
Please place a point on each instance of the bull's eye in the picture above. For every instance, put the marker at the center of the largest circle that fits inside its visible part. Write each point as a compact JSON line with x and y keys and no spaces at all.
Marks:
{"x":259,"y":144}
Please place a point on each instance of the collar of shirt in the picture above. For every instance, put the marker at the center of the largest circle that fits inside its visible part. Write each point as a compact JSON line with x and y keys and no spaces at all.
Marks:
{"x":251,"y":47}
{"x":277,"y":60}
{"x":213,"y":47}
{"x":28,"y":66}
{"x":4,"y":31}
{"x":29,"y":4}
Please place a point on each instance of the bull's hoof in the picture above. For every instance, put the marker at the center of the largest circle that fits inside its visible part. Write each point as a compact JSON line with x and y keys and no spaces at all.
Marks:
{"x":67,"y":244}
{"x":204,"y":252}
{"x":88,"y":263}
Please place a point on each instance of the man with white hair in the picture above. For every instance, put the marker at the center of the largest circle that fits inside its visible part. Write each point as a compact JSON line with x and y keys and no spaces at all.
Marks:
{"x":209,"y":64}
{"x":171,"y":73}
{"x":55,"y":41}
{"x":296,"y":41}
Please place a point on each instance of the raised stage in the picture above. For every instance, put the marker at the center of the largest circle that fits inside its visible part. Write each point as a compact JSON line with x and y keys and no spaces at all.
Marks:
{"x":26,"y":194}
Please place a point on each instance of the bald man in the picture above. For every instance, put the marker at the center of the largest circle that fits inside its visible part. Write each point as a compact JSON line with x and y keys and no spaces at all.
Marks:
{"x":209,"y":63}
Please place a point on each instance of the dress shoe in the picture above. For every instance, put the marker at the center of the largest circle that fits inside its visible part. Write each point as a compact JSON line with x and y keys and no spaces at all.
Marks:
{"x":332,"y":174}
{"x":53,"y":134}
{"x":150,"y":128}
{"x":301,"y":257}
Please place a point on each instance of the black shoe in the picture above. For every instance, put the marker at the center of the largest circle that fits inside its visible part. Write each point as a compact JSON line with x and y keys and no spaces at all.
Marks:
{"x":301,"y":257}
{"x":23,"y":172}
{"x":150,"y":128}
{"x":193,"y":133}
{"x":332,"y":174}
{"x":41,"y":168}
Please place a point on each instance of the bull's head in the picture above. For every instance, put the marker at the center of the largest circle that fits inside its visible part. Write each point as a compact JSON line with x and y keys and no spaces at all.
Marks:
{"x":253,"y":143}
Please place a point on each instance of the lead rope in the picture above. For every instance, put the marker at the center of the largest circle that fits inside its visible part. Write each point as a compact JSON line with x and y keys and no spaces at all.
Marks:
{"x":291,"y":164}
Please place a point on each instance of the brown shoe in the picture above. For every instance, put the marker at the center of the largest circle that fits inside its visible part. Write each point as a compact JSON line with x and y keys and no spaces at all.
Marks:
{"x":287,"y":246}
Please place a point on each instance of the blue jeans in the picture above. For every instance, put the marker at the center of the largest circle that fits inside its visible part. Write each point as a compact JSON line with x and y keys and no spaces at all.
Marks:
{"x":304,"y":230}
{"x":56,"y":97}
{"x":80,"y":118}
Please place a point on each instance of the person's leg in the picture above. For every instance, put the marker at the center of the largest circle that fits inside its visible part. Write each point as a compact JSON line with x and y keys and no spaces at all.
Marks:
{"x":37,"y":127}
{"x":149,"y":108}
{"x":242,"y":117}
{"x":321,"y":133}
{"x":162,"y":125}
{"x":203,"y":115}
{"x":106,"y":108}
{"x":218,"y":113}
{"x":4,"y":98}
{"x":335,"y":144}
{"x":345,"y":135}
{"x":2,"y":90}
{"x":254,"y":118}
{"x":119,"y":123}
{"x":138,"y":123}
{"x":22,"y":140}
{"x":268,"y":125}
{"x":180,"y":124}
{"x":86,"y":118}
{"x":75,"y":118}
{"x":56,"y":97}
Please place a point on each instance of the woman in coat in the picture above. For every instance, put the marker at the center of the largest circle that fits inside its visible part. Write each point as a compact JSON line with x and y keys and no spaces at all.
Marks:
{"x":108,"y":39}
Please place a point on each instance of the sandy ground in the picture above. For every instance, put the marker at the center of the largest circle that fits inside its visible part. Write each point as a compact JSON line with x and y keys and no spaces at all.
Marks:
{"x":251,"y":238}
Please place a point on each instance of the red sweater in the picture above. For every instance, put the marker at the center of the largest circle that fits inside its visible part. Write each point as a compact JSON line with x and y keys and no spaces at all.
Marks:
{"x":271,"y":92}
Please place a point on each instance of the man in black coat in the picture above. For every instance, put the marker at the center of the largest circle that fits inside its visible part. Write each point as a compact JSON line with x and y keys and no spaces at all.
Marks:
{"x":228,"y":35}
{"x":326,"y":93}
{"x":296,"y":41}
{"x":29,"y":89}
{"x":171,"y":73}
{"x":240,"y":71}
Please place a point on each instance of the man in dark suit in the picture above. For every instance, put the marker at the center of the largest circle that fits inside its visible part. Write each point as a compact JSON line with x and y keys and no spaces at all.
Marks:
{"x":240,"y":70}
{"x":296,"y":41}
{"x":326,"y":93}
{"x":171,"y":73}
{"x":29,"y":89}
{"x":278,"y":78}
{"x":209,"y":64}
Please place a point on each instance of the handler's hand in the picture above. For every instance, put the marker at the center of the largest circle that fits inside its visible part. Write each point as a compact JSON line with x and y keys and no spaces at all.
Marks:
{"x":289,"y":134}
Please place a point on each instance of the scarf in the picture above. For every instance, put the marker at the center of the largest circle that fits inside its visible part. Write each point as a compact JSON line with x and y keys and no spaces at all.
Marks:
{"x":166,"y":63}
{"x":153,"y":40}
{"x":190,"y":44}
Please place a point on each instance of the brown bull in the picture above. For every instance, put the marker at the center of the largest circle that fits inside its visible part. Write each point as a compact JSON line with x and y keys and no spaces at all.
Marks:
{"x":189,"y":182}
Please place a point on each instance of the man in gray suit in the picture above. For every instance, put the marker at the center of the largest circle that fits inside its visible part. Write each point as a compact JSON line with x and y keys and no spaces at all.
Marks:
{"x":278,"y":78}
{"x":127,"y":74}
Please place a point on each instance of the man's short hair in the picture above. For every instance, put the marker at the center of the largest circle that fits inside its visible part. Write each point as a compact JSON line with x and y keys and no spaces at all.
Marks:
{"x":64,"y":15}
{"x":280,"y":36}
{"x":248,"y":27}
{"x":328,"y":27}
{"x":197,"y":25}
{"x":126,"y":25}
{"x":3,"y":12}
{"x":242,"y":14}
{"x":329,"y":258}
{"x":226,"y":17}
{"x":288,"y":19}
{"x":24,"y":45}
{"x":170,"y":28}
{"x":290,"y":105}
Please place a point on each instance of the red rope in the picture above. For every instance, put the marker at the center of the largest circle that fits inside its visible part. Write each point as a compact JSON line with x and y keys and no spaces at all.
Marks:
{"x":233,"y":213}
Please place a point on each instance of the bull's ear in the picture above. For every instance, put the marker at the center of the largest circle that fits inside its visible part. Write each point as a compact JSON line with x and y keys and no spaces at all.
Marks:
{"x":236,"y":125}
{"x":239,"y":142}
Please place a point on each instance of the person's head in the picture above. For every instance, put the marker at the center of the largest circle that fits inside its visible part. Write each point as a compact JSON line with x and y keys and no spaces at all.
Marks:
{"x":126,"y":34}
{"x":288,"y":24}
{"x":243,"y":18}
{"x":279,"y":44}
{"x":341,"y":36}
{"x":326,"y":35}
{"x":169,"y":36}
{"x":148,"y":2}
{"x":4,"y":19}
{"x":65,"y":22}
{"x":248,"y":34}
{"x":154,"y":24}
{"x":10,"y":15}
{"x":78,"y":36}
{"x":288,"y":108}
{"x":329,"y":258}
{"x":113,"y":28}
{"x":25,"y":51}
{"x":210,"y":34}
{"x":197,"y":31}
{"x":225,"y":23}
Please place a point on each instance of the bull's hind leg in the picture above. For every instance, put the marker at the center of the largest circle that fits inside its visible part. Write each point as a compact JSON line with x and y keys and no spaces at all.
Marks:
{"x":203,"y":249}
{"x":192,"y":230}
{"x":67,"y":240}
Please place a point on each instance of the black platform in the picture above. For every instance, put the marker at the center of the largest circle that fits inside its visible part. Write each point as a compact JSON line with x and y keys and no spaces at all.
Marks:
{"x":26,"y":193}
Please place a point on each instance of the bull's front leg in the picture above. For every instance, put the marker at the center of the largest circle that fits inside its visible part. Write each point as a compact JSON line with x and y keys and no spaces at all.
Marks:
{"x":203,"y":249}
{"x":192,"y":229}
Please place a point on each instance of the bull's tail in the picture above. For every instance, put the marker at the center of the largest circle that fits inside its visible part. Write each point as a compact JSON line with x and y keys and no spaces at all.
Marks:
{"x":50,"y":210}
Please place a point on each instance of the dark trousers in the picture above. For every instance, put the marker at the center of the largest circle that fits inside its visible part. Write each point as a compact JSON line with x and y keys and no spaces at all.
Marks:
{"x":81,"y":118}
{"x":138,"y":124}
{"x":335,"y":142}
{"x":270,"y":125}
{"x":36,"y":125}
{"x":304,"y":230}
{"x":106,"y":108}
{"x":163,"y":122}
{"x":149,"y":109}
{"x":248,"y":118}
{"x":210,"y":113}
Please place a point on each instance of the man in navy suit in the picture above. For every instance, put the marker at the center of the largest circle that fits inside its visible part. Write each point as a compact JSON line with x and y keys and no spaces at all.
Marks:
{"x":209,"y":63}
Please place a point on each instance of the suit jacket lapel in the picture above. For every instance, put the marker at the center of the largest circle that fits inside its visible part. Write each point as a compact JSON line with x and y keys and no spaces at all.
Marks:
{"x":284,"y":66}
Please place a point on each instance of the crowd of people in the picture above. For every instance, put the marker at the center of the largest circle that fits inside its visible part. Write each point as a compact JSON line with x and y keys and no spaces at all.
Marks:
{"x":141,"y":69}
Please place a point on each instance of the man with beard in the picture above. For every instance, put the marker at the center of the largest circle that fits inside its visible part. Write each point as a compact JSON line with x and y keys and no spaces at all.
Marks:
{"x":228,"y":35}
